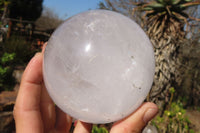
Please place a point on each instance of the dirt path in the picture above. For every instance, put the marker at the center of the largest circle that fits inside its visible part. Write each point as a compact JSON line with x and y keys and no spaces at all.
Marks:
{"x":194,"y":117}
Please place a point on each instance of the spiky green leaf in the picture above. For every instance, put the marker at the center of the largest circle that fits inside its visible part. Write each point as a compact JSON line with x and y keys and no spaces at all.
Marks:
{"x":174,"y":2}
{"x":188,"y":0}
{"x":147,"y":9}
{"x":154,"y":5}
{"x":161,"y":1}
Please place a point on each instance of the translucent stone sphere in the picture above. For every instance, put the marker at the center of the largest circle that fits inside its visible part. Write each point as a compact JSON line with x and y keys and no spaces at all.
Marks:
{"x":98,"y":66}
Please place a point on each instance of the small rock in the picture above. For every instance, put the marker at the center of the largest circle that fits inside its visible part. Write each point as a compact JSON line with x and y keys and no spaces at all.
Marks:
{"x":18,"y":74}
{"x":150,"y":129}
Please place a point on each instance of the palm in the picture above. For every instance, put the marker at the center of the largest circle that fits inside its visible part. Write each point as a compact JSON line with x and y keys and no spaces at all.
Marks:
{"x":34,"y":111}
{"x":53,"y":119}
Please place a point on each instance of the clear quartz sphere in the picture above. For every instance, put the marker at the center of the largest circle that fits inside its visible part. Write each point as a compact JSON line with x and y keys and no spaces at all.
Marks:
{"x":98,"y":66}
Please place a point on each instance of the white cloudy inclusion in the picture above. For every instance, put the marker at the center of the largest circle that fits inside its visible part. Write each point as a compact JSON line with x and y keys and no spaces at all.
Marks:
{"x":98,"y":66}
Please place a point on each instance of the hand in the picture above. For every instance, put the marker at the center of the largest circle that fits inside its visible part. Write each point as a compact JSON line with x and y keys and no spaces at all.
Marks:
{"x":35,"y":112}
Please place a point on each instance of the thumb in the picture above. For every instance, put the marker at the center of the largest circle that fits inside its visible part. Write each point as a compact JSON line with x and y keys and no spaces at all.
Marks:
{"x":137,"y":120}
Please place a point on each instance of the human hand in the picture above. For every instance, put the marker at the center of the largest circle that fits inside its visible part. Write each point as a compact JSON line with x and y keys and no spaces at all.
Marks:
{"x":35,"y":112}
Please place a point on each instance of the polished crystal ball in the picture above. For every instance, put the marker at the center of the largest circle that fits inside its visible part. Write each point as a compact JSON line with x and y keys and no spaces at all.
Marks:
{"x":98,"y":66}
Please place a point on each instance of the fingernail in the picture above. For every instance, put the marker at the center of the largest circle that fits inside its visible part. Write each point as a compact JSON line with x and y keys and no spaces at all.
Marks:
{"x":37,"y":54}
{"x":149,"y":114}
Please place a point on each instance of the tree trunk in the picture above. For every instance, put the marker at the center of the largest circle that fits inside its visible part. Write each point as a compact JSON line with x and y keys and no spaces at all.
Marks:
{"x":166,"y":72}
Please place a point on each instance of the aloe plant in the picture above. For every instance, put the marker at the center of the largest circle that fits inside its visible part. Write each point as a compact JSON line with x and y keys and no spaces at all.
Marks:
{"x":165,"y":22}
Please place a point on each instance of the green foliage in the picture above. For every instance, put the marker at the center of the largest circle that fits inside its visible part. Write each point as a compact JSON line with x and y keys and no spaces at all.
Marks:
{"x":161,"y":15}
{"x":198,"y":109}
{"x":174,"y":119}
{"x":191,"y":131}
{"x":162,"y":6}
{"x":96,"y":129}
{"x":23,"y":49}
{"x":172,"y":90}
{"x":15,"y":51}
{"x":7,"y":57}
{"x":6,"y":69}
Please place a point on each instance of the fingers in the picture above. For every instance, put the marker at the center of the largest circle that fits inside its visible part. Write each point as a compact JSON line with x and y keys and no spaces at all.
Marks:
{"x":136,"y":121}
{"x":34,"y":110}
{"x":47,"y":106}
{"x":63,"y":121}
{"x":27,"y":108}
{"x":43,"y":47}
{"x":47,"y":110}
{"x":82,"y":127}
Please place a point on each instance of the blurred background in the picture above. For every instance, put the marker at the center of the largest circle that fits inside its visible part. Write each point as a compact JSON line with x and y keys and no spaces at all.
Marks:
{"x":173,"y":27}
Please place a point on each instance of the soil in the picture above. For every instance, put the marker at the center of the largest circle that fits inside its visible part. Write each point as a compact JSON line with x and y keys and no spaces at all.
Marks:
{"x":194,"y":117}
